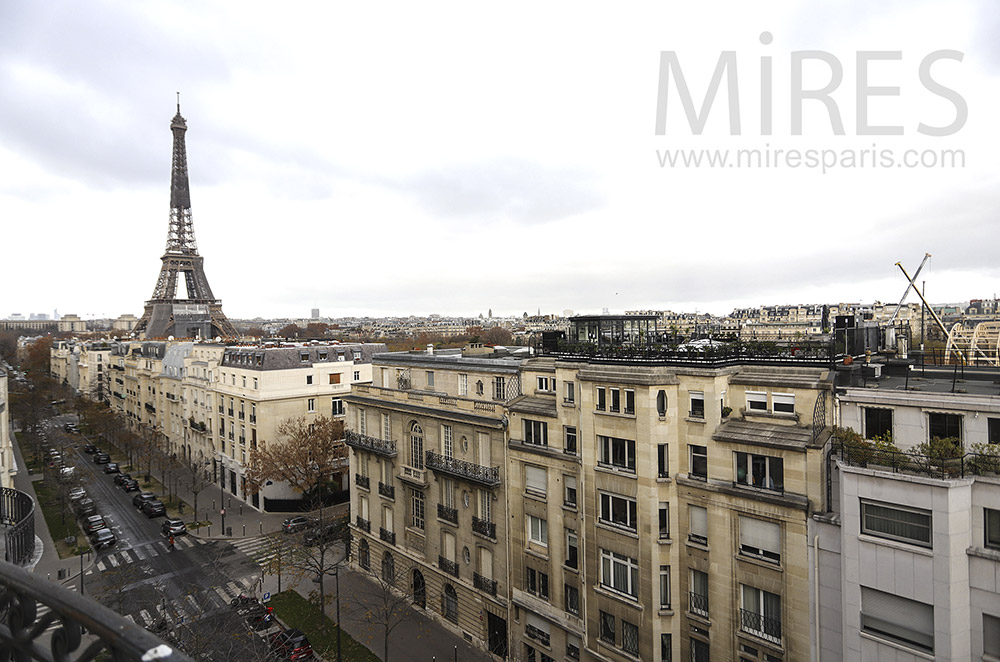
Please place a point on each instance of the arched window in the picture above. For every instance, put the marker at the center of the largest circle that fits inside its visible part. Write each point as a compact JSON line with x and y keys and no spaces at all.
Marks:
{"x":450,"y":607}
{"x":661,"y":403}
{"x":364,"y":555}
{"x":416,"y":446}
{"x":479,"y":387}
{"x":419,"y":589}
{"x":388,"y":568}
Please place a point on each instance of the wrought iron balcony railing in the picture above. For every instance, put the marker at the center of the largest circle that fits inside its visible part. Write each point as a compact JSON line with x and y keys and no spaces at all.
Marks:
{"x":448,"y":566}
{"x":361,"y":481}
{"x":541,"y":636}
{"x":388,"y":491}
{"x":484,"y":527}
{"x":484,"y":584}
{"x":477,"y":473}
{"x":383,"y":447}
{"x":387,"y":536}
{"x":363,"y":524}
{"x":448,"y":514}
{"x":760,"y":626}
{"x":17,"y":511}
{"x":24,"y":632}
{"x":698,"y":604}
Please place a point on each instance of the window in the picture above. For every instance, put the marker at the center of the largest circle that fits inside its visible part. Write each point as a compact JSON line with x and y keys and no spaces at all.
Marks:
{"x":255,"y":382}
{"x":416,"y":446}
{"x":993,"y":430}
{"x":991,"y":537}
{"x":569,"y":491}
{"x":357,"y":375}
{"x":699,"y":593}
{"x":572,"y":596}
{"x":664,"y":587}
{"x":430,"y":378}
{"x":463,"y":384}
{"x":303,"y":356}
{"x":535,"y":480}
{"x":619,"y":573}
{"x":499,"y":388}
{"x":943,"y":426}
{"x":450,"y":603}
{"x":570,"y":391}
{"x":538,"y":530}
{"x":536,"y":583}
{"x":756,"y":401}
{"x":387,"y":518}
{"x":573,"y":644}
{"x":546,"y":384}
{"x":699,"y":650}
{"x":783,"y":403}
{"x":357,"y":355}
{"x":570,"y":439}
{"x":616,"y":453}
{"x":666,"y":648}
{"x":661,"y":403}
{"x":311,"y":405}
{"x":448,"y":493}
{"x":416,"y":509}
{"x":760,"y":613}
{"x":761,"y":471}
{"x":536,"y":432}
{"x":337,"y":408}
{"x":572,"y":549}
{"x":309,"y":379}
{"x":760,"y":539}
{"x":616,"y":401}
{"x":662,"y":461}
{"x":364,"y":555}
{"x":480,"y":389}
{"x":991,"y":635}
{"x":618,"y":511}
{"x":698,"y":522}
{"x":629,"y":401}
{"x":664,"y":520}
{"x":601,"y":398}
{"x":447,"y":441}
{"x":362,"y":421}
{"x":898,"y":619}
{"x":630,"y":637}
{"x":607,"y":627}
{"x":386,"y":428}
{"x":486,"y":505}
{"x":335,"y":378}
{"x":896,"y":523}
{"x":699,"y":462}
{"x":697,"y":404}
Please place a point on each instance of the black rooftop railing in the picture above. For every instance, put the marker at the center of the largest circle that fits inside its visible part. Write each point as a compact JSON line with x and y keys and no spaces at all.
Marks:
{"x":940,"y":465}
{"x":718,"y":354}
{"x":17,"y":511}
{"x":24,"y":630}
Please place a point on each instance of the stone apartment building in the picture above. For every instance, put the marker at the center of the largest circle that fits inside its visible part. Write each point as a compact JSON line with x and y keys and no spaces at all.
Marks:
{"x":8,"y":469}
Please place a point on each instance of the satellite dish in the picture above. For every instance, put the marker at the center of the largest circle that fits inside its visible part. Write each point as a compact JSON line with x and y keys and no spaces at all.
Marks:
{"x":170,"y":337}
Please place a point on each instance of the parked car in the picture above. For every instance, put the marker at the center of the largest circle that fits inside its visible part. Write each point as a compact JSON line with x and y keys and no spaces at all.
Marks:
{"x":154,"y":508}
{"x":89,"y":448}
{"x":77,"y":493}
{"x":291,"y":644}
{"x":101,"y":458}
{"x":320,"y":534}
{"x":141,"y":498}
{"x":111,"y":468}
{"x":172,"y":527}
{"x":71,"y":428}
{"x":130,"y":485}
{"x":103,"y":538}
{"x":94,"y":523}
{"x":85,"y":507}
{"x":66,"y":473}
{"x":296,"y":524}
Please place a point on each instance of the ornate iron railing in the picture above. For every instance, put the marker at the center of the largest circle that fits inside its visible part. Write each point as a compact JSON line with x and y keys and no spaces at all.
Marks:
{"x":698,"y":604}
{"x":361,"y":481}
{"x":17,"y":510}
{"x":484,"y":584}
{"x":363,"y":524}
{"x":383,"y":447}
{"x":23,"y":631}
{"x":448,"y":514}
{"x":538,"y":635}
{"x":388,"y":491}
{"x":760,"y":626}
{"x":387,"y":536}
{"x":484,"y":527}
{"x":489,"y":476}
{"x":448,"y":566}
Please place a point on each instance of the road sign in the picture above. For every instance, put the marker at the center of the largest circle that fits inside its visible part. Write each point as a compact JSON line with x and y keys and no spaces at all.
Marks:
{"x":266,"y":597}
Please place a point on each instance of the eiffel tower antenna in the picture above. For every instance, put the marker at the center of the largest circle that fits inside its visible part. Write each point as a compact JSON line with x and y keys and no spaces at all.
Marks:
{"x":200,"y":313}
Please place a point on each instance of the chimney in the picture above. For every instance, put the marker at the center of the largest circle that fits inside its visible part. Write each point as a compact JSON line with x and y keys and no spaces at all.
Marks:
{"x":430,"y":348}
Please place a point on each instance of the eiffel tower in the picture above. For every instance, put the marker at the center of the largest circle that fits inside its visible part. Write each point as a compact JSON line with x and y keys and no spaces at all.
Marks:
{"x":200,"y":314}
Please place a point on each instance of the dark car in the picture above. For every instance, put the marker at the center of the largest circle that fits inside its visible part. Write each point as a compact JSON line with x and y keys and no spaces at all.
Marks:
{"x":94,"y":523}
{"x":295,"y":524}
{"x":172,"y":527}
{"x":86,"y":507}
{"x":103,"y":538}
{"x":321,"y":534}
{"x":89,"y":448}
{"x":101,"y":458}
{"x":154,"y":508}
{"x":121,"y":478}
{"x":71,"y":427}
{"x":130,"y":485}
{"x":141,"y":498}
{"x":111,"y":468}
{"x":291,"y":644}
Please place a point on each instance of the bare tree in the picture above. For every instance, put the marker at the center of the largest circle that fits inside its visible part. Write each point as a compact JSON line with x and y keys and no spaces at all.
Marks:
{"x":307,"y":454}
{"x":196,"y":478}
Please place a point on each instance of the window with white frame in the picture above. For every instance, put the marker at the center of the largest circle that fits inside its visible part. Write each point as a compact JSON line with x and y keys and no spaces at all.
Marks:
{"x":538,"y":530}
{"x":416,"y":509}
{"x":629,"y":401}
{"x":569,"y":444}
{"x":760,"y":613}
{"x":910,"y":525}
{"x":571,"y":593}
{"x":760,"y":471}
{"x":602,"y":402}
{"x":357,"y":375}
{"x":760,"y":539}
{"x":662,"y":461}
{"x":311,"y":405}
{"x":698,"y":523}
{"x":416,"y":446}
{"x":447,"y":441}
{"x":619,"y":573}
{"x":617,"y":454}
{"x":664,"y":587}
{"x":699,"y":593}
{"x":430,"y":378}
{"x":362,"y":421}
{"x":448,"y":493}
{"x":618,"y":511}
{"x":386,"y":427}
{"x":536,"y":582}
{"x":535,"y":480}
{"x":572,"y":549}
{"x":699,"y":461}
{"x":783,"y":403}
{"x":942,"y":425}
{"x":898,"y":619}
{"x":569,"y":491}
{"x":616,"y":400}
{"x":463,"y":384}
{"x":991,"y":532}
{"x":697,"y":404}
{"x":387,"y":518}
{"x":536,"y":432}
{"x":756,"y":401}
{"x":486,"y":505}
{"x":663,"y":513}
{"x":337,"y":407}
{"x":546,"y":384}
{"x":570,"y":392}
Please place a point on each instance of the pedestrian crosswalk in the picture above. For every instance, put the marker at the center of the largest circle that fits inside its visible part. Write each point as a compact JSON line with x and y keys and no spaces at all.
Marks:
{"x":189,"y":608}
{"x":262,"y":549}
{"x":141,"y":553}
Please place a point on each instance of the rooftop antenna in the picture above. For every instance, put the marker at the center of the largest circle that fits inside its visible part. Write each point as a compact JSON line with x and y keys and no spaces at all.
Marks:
{"x":178,"y":102}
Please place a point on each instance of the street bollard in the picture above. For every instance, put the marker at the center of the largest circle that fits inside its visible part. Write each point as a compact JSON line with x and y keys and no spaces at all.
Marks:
{"x":261,"y":526}
{"x":241,"y":510}
{"x":209,"y":530}
{"x":244,"y":530}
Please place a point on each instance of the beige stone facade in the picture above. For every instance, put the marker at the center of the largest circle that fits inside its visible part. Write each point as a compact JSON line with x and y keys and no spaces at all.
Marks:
{"x":7,"y":466}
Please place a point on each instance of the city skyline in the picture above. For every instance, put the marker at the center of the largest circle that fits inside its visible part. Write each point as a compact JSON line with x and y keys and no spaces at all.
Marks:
{"x":453,"y":159}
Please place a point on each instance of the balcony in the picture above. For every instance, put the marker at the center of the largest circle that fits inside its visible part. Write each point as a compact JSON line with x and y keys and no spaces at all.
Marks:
{"x":150,"y":408}
{"x":538,"y":635}
{"x":388,"y":491}
{"x":17,"y":511}
{"x":23,"y":631}
{"x":363,"y":524}
{"x":448,"y":514}
{"x":253,"y":418}
{"x":383,"y":447}
{"x":484,"y":584}
{"x":484,"y":527}
{"x":448,"y":566}
{"x":222,"y":410}
{"x":242,"y":416}
{"x":387,"y":536}
{"x":229,"y":412}
{"x":362,"y":481}
{"x":477,"y":473}
{"x":759,"y":625}
{"x":698,"y":604}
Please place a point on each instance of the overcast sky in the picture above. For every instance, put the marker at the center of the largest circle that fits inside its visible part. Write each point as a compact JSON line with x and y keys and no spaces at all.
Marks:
{"x":398,"y":158}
